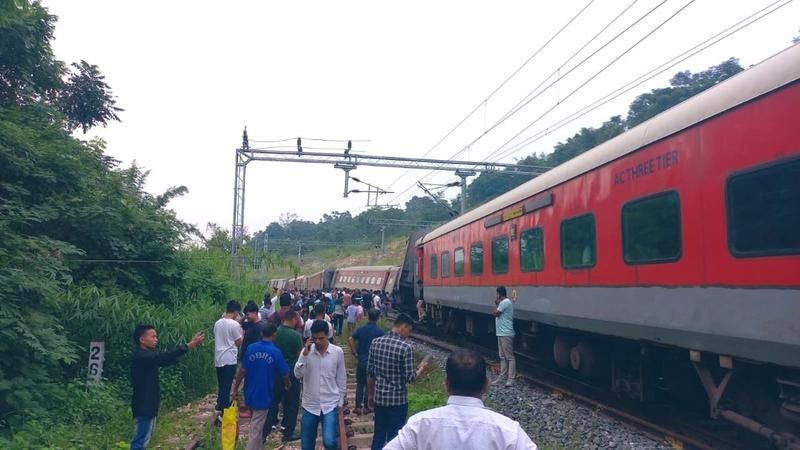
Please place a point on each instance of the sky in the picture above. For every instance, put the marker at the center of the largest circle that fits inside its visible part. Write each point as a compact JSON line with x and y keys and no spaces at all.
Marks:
{"x":192,"y":74}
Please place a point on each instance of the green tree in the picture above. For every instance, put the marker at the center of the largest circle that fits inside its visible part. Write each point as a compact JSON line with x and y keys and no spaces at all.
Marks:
{"x":30,"y":73}
{"x":86,"y":99}
{"x":683,"y":85}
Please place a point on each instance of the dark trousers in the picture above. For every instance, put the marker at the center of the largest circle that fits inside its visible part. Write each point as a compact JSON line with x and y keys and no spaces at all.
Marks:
{"x":338,"y":321}
{"x":361,"y":384}
{"x":225,"y":376}
{"x":291,"y":403}
{"x":388,"y":421}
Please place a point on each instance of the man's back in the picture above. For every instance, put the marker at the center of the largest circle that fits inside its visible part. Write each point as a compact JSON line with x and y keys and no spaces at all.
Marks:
{"x":290,"y":343}
{"x":226,"y":332}
{"x":465,"y":424}
{"x":364,"y":337}
{"x":391,"y":363}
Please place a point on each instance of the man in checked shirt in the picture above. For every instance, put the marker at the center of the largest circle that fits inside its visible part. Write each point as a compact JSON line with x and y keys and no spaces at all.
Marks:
{"x":389,"y":368}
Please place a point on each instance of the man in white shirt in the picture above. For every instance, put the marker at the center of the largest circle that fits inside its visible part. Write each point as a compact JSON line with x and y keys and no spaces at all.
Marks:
{"x":227,"y":339}
{"x":319,"y":313}
{"x":376,"y":300}
{"x":465,"y":423}
{"x":321,"y":367}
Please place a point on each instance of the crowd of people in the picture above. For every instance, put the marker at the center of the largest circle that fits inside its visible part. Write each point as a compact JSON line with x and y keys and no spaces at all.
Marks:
{"x":284,"y":354}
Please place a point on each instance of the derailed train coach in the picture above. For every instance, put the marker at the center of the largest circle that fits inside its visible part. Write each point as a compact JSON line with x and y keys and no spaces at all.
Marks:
{"x":373,"y":278}
{"x":665,"y":262}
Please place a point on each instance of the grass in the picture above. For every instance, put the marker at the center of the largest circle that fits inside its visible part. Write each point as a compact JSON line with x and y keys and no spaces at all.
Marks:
{"x":426,"y":392}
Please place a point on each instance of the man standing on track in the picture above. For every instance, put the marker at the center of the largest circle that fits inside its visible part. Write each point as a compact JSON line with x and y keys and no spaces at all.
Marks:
{"x":504,"y":328}
{"x":465,"y":423}
{"x":321,"y":367}
{"x":390,"y":367}
{"x":261,"y":365}
{"x":144,"y":378}
{"x":290,"y":343}
{"x":364,"y":336}
{"x":227,"y":339}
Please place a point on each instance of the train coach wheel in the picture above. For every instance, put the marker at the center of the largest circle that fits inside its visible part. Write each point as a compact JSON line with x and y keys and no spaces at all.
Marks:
{"x":582,"y":359}
{"x":561,"y":352}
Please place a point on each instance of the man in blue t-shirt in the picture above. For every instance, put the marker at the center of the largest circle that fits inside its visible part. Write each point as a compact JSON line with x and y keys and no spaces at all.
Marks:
{"x":364,"y":336}
{"x":261,"y":364}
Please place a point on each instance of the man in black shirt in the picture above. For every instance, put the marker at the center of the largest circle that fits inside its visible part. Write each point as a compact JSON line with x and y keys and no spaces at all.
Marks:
{"x":144,"y":378}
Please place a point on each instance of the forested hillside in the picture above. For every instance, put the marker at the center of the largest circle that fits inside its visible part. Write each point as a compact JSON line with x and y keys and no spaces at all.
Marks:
{"x":351,"y":230}
{"x":85,"y":253}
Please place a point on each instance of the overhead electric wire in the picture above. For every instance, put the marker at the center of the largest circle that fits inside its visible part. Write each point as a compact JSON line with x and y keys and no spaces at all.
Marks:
{"x":577,"y":52}
{"x":525,"y":102}
{"x":582,"y":85}
{"x":683,"y":56}
{"x":513,"y":74}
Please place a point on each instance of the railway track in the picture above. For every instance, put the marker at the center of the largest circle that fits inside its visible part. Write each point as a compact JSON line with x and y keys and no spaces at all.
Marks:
{"x":680,"y":429}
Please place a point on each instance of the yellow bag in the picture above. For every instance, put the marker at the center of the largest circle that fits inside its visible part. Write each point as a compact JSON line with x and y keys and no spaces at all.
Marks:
{"x":230,"y":427}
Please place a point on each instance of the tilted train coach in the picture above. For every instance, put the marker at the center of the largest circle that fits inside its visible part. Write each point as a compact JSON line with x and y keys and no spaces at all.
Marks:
{"x":665,"y":260}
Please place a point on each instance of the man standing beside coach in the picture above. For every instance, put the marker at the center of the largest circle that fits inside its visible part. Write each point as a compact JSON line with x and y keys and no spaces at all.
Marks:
{"x":504,"y":328}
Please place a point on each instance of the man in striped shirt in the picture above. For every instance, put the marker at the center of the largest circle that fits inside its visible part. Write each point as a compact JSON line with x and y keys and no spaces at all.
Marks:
{"x":390,"y":367}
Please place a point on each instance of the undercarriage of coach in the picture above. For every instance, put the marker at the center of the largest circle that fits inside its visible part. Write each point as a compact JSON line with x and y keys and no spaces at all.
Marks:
{"x":762,"y":398}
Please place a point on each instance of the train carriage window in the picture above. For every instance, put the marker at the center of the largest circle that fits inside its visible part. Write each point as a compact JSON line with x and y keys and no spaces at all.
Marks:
{"x":434,"y":266}
{"x":458,"y":262}
{"x":531,"y":250}
{"x":764,"y":210}
{"x":476,"y":259}
{"x":578,"y":248}
{"x":500,"y":255}
{"x":651,"y":229}
{"x":445,"y":264}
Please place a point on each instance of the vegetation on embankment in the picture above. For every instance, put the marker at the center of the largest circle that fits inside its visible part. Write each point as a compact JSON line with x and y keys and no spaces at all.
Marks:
{"x":86,"y":253}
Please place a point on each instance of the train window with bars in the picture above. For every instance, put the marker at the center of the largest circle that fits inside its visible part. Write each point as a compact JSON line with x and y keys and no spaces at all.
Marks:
{"x":500,"y":255}
{"x":763,"y":207}
{"x":578,"y":247}
{"x":651,"y":229}
{"x":476,"y":259}
{"x":458,"y":262}
{"x":531,"y":250}
{"x":445,"y":264}
{"x":434,"y":266}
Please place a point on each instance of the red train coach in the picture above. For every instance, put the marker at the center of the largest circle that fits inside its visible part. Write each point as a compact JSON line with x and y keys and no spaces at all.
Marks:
{"x":679,"y":238}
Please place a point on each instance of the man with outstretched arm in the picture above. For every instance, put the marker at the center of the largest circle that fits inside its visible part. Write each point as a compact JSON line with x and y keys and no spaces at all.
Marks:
{"x":390,"y":366}
{"x":144,"y":378}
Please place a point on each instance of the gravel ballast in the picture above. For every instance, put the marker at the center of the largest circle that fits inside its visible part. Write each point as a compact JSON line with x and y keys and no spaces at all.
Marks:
{"x":554,"y":422}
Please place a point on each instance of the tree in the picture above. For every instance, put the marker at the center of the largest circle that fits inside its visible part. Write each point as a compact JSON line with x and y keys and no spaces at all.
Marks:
{"x":683,"y":85}
{"x":86,"y":99}
{"x":30,"y":73}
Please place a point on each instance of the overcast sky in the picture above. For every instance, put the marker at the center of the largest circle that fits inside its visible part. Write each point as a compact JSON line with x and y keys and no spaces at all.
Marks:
{"x":191,"y":74}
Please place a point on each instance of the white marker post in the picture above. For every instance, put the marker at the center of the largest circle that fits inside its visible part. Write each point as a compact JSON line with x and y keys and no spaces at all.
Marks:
{"x":97,"y":350}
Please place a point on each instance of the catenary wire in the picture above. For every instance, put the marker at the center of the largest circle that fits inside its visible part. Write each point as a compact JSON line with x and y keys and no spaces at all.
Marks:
{"x":582,"y":85}
{"x":647,"y":76}
{"x":513,"y":74}
{"x":525,"y":102}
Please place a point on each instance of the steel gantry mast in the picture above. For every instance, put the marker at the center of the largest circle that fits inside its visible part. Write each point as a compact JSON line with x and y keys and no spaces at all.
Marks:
{"x":348,"y":161}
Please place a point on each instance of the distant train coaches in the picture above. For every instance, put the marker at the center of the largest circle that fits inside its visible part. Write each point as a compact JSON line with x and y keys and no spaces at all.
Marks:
{"x":374,"y":278}
{"x":684,"y":231}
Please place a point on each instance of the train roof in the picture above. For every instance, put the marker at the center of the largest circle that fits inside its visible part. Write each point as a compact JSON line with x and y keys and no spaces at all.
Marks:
{"x":369,"y":268}
{"x":767,"y":76}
